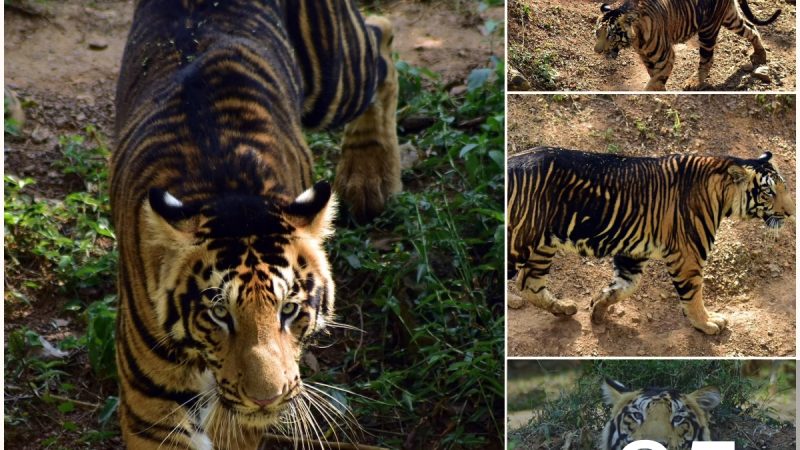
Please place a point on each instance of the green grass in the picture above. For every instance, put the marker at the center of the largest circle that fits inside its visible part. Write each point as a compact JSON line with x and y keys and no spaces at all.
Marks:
{"x":425,"y":277}
{"x":423,"y":281}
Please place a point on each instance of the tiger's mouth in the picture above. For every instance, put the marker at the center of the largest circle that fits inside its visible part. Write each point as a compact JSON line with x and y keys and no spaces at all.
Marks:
{"x":612,"y":53}
{"x":775,"y":221}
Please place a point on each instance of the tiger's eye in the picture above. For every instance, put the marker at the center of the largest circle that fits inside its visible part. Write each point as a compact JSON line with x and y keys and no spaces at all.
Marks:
{"x":219,"y":311}
{"x":289,"y":309}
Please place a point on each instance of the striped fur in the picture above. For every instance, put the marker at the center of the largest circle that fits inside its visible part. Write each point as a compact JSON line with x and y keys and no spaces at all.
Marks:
{"x":665,"y":416}
{"x":633,"y":209}
{"x":223,"y":278}
{"x":652,"y":27}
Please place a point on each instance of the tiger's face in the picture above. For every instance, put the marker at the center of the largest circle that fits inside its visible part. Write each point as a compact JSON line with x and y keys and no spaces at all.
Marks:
{"x":765,"y":194}
{"x":665,"y":416}
{"x":613,"y":30}
{"x":241,"y":286}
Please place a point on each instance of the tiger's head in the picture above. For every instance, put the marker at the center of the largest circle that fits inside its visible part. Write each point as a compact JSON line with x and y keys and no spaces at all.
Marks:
{"x":614,"y":29}
{"x":240,"y":284}
{"x":665,"y":416}
{"x":762,"y":191}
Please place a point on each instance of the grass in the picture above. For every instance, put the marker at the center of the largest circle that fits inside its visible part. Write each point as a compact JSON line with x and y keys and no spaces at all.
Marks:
{"x":579,"y":410}
{"x":423,"y":281}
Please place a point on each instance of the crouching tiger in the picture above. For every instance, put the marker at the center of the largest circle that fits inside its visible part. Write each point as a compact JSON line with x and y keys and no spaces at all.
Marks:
{"x":652,"y":27}
{"x":633,"y":209}
{"x":223,"y":278}
{"x":666,"y":416}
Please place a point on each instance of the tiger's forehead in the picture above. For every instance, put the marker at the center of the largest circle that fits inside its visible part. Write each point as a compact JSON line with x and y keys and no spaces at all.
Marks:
{"x":641,"y":399}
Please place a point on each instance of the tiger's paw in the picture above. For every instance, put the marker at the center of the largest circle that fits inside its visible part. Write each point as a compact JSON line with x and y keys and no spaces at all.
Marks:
{"x":548,"y":302}
{"x":366,"y":186}
{"x":598,"y":312}
{"x":714,"y":325}
{"x":758,"y":58}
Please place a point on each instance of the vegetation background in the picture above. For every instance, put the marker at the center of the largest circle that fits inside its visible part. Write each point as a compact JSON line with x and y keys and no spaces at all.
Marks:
{"x":423,"y":281}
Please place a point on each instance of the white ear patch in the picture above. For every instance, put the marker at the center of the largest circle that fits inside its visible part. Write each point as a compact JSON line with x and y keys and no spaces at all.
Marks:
{"x":306,"y":197}
{"x":171,"y":201}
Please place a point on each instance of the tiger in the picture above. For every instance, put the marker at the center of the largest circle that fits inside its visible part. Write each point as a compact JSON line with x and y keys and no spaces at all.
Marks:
{"x":652,"y":27}
{"x":633,"y":209}
{"x":223,"y":278}
{"x":666,"y":416}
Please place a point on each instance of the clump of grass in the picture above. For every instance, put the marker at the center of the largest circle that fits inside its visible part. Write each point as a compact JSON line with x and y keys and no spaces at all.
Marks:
{"x":61,"y":246}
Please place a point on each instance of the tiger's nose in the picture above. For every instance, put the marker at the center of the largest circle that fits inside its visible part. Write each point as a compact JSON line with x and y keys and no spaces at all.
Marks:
{"x":267,"y":400}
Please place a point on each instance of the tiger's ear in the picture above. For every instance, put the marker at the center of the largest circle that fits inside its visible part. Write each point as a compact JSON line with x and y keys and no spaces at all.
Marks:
{"x":170,"y":215}
{"x":708,"y":397}
{"x":605,"y":7}
{"x":740,"y":175}
{"x":612,"y":391}
{"x":313,"y":211}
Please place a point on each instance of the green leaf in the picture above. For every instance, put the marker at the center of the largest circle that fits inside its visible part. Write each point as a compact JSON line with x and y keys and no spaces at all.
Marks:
{"x":66,"y":407}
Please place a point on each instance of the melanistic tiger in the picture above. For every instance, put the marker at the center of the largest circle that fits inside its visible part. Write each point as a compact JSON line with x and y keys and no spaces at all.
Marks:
{"x":633,"y":209}
{"x":666,"y":416}
{"x":652,"y":27}
{"x":223,"y":277}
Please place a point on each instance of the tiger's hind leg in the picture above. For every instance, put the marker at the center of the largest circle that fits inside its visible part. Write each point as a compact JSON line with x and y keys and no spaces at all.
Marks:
{"x":532,"y":285}
{"x":735,"y":22}
{"x":708,"y":39}
{"x":627,"y":272}
{"x":368,"y":172}
{"x":687,"y":277}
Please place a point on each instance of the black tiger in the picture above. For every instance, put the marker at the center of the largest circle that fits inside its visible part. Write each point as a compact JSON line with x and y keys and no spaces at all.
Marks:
{"x":633,"y":209}
{"x":652,"y":27}
{"x":223,"y":277}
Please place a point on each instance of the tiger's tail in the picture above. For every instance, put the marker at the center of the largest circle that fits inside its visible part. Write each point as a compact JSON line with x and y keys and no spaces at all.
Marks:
{"x":749,"y":14}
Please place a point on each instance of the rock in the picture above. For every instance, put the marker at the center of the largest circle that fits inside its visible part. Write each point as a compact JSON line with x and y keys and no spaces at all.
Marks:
{"x":762,"y":73}
{"x":98,"y":44}
{"x":409,"y":156}
{"x":649,"y":317}
{"x":515,"y":301}
{"x":41,"y":134}
{"x":641,"y":352}
{"x":458,"y":90}
{"x":516,"y":81}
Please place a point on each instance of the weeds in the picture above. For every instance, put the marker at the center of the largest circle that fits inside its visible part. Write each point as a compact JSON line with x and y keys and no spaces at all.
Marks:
{"x":424,"y":278}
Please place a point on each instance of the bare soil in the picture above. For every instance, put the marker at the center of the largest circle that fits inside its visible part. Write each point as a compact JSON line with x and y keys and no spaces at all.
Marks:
{"x":750,"y":275}
{"x":62,"y":61}
{"x":559,"y":35}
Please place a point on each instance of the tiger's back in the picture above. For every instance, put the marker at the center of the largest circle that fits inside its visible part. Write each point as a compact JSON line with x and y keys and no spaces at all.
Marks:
{"x":634,"y":209}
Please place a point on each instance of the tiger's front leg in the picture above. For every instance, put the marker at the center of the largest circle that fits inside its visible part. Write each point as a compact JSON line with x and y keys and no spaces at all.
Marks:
{"x":368,"y":172}
{"x":659,"y":69}
{"x":627,"y":272}
{"x":687,"y":277}
{"x":532,"y":286}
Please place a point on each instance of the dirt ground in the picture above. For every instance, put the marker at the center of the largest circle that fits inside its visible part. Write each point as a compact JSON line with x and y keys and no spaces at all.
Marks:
{"x":62,"y":60}
{"x":750,"y":275}
{"x":546,"y":35}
